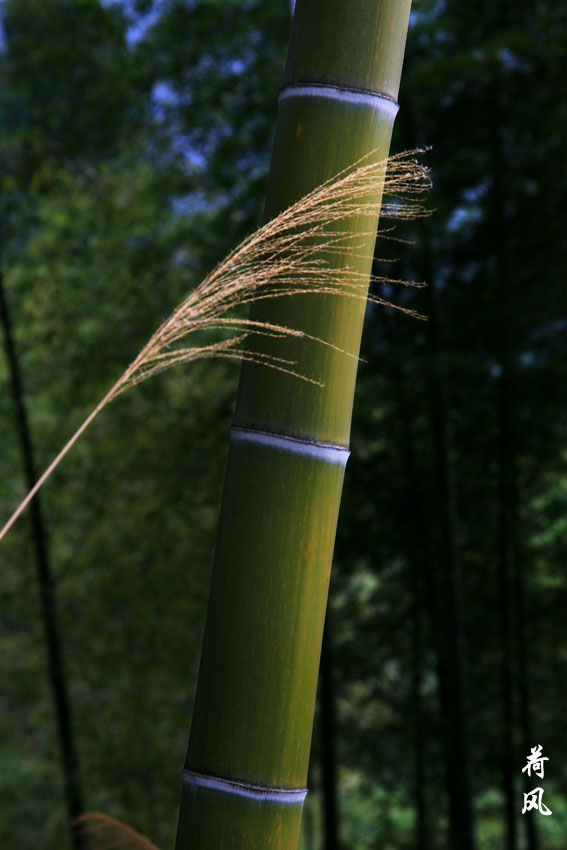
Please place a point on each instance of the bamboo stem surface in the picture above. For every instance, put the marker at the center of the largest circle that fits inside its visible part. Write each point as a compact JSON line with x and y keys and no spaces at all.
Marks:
{"x":248,"y":754}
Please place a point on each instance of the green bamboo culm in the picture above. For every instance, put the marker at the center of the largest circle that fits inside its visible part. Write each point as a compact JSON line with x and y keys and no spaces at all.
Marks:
{"x":246,"y":768}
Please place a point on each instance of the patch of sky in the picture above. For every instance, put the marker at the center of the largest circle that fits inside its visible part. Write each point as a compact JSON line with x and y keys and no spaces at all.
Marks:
{"x":423,"y":15}
{"x":235,"y":67}
{"x":510,"y":61}
{"x":139,"y":23}
{"x":469,"y":271}
{"x":164,"y":94}
{"x":165,"y":98}
{"x":167,"y":102}
{"x":530,"y":357}
{"x":442,"y":274}
{"x":193,"y":157}
{"x":192,"y":204}
{"x":549,"y":329}
{"x":469,"y":212}
{"x":475,"y":193}
{"x":442,"y":37}
{"x":461,"y":217}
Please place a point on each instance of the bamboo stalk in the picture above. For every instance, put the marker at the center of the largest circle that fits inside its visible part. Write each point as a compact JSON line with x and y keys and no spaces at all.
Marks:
{"x":246,"y":768}
{"x":47,"y":592}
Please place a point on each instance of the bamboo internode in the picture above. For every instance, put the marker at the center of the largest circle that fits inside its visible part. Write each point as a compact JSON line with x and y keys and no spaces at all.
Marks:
{"x":255,"y":698}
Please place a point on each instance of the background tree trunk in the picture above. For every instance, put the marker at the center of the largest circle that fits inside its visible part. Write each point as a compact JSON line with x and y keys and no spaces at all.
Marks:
{"x":506,"y":474}
{"x":455,"y":697}
{"x":53,"y":649}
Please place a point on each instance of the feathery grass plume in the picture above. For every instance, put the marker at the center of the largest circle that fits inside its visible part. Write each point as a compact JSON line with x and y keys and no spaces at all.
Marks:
{"x":104,"y":833}
{"x":300,"y":251}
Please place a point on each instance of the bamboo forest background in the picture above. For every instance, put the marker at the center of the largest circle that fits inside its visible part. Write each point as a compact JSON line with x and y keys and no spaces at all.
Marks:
{"x":135,"y":139}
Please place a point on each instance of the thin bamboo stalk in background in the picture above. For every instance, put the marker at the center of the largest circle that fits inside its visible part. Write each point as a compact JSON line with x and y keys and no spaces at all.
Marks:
{"x":442,"y":563}
{"x":53,"y":648}
{"x":454,"y":679}
{"x":506,"y":491}
{"x":246,"y":768}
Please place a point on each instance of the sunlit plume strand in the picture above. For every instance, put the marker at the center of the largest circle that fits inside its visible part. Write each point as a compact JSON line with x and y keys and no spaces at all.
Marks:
{"x":294,"y":253}
{"x":312,"y":247}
